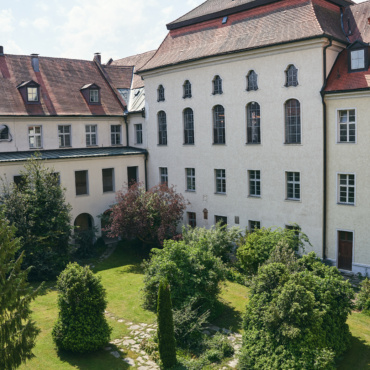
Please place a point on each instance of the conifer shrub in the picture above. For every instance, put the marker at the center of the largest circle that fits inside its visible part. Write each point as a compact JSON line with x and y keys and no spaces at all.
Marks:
{"x":81,"y":325}
{"x":363,"y":297}
{"x":166,"y":337}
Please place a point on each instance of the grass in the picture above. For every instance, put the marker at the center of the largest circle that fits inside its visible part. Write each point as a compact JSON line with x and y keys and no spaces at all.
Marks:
{"x":122,"y":277}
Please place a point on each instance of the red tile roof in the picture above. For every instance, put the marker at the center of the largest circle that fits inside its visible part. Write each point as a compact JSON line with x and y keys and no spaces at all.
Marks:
{"x":342,"y":80}
{"x":121,"y":76}
{"x":276,"y":23}
{"x":60,"y":80}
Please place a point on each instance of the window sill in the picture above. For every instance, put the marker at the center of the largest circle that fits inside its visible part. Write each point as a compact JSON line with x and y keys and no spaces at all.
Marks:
{"x":185,"y":144}
{"x":346,"y":142}
{"x":92,"y":146}
{"x":346,"y":204}
{"x":253,"y":143}
{"x":218,"y":144}
{"x":65,"y":147}
{"x":190,"y":191}
{"x":37,"y":148}
{"x":293,"y":144}
{"x":161,"y":144}
{"x":82,"y":195}
{"x":220,"y":193}
{"x":293,"y":200}
{"x":254,"y":196}
{"x":109,"y":192}
{"x":116,"y":145}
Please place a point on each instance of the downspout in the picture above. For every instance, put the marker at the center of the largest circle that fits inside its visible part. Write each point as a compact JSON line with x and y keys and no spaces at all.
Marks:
{"x":146,"y":172}
{"x":324,"y":220}
{"x":125,"y":117}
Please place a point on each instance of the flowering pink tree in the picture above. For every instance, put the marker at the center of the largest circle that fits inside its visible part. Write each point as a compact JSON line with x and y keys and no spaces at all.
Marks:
{"x":151,"y":216}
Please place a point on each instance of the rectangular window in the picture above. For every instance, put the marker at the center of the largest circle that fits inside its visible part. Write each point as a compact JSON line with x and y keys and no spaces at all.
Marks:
{"x":163,"y":175}
{"x":293,"y":186}
{"x":94,"y":96}
{"x":32,"y":94}
{"x":115,"y":134}
{"x":220,"y":181}
{"x":346,"y":189}
{"x":192,"y":219}
{"x":81,"y":180}
{"x":358,"y":59}
{"x":139,"y":133}
{"x":221,"y":219}
{"x":254,"y":225}
{"x":108,"y":180}
{"x":34,"y":137}
{"x":347,"y":126}
{"x":64,"y":133}
{"x":91,"y":131}
{"x":190,"y":179}
{"x":254,"y":183}
{"x":132,"y":175}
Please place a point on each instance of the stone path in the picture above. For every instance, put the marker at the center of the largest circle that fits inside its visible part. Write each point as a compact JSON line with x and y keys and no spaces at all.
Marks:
{"x":138,"y":332}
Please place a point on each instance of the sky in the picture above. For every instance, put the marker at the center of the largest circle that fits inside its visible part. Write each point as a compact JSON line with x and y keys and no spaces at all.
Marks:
{"x":79,"y":28}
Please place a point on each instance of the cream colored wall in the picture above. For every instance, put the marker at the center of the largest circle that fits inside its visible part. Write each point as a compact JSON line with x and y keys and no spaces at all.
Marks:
{"x":350,"y":158}
{"x":18,"y":127}
{"x":272,"y":157}
{"x":96,"y":202}
{"x":132,"y":121}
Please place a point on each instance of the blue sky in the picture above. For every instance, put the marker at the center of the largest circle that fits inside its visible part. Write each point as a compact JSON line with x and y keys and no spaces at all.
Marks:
{"x":79,"y":28}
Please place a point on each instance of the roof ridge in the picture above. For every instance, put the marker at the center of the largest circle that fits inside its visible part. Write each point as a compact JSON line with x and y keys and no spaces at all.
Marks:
{"x":155,"y":53}
{"x":136,"y":55}
{"x":47,"y":57}
{"x":316,"y":18}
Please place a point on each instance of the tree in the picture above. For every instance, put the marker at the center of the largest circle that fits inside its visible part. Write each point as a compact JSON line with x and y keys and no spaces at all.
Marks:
{"x":81,"y":325}
{"x":151,"y":216}
{"x":17,"y":331}
{"x":166,"y":337}
{"x":37,"y":208}
{"x":363,"y":297}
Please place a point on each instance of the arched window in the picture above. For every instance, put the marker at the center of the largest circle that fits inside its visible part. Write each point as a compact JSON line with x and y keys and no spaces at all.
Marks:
{"x":187,"y":89}
{"x":253,"y":123}
{"x":162,"y":128}
{"x":160,"y":93}
{"x":4,"y":133}
{"x":292,"y":122}
{"x":291,"y":76}
{"x":217,"y":85}
{"x":252,"y":81}
{"x":188,"y":126}
{"x":219,"y":125}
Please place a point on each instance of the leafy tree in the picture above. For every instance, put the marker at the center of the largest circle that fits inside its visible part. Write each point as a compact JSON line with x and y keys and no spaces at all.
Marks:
{"x":166,"y":337}
{"x":192,"y":271}
{"x":363,"y":297}
{"x":151,"y":216}
{"x":81,"y":325}
{"x":17,"y":331}
{"x":37,"y":208}
{"x":296,"y":319}
{"x":255,"y":248}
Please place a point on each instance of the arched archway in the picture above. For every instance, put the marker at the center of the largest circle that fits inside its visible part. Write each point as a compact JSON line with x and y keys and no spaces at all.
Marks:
{"x":84,"y":222}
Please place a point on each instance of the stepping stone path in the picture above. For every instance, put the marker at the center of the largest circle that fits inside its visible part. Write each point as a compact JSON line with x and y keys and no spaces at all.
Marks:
{"x":138,"y":332}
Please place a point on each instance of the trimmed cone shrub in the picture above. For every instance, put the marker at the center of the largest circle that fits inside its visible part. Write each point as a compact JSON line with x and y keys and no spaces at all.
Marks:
{"x":166,"y":337}
{"x":81,"y":325}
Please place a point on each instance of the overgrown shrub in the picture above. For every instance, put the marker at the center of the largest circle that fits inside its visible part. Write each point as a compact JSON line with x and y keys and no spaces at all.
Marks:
{"x":192,"y":271}
{"x":81,"y":325}
{"x":255,"y":248}
{"x":363,"y":297}
{"x":296,"y":319}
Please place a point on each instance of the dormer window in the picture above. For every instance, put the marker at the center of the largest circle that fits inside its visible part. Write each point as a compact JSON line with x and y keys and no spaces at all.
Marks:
{"x":358,"y":59}
{"x":91,"y":93}
{"x":32,"y":94}
{"x":94,"y":96}
{"x":30,"y":91}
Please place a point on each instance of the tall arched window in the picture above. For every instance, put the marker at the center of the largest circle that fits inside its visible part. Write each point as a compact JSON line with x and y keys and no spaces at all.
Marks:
{"x":160,"y":93}
{"x":219,"y":125}
{"x":292,"y":122}
{"x":187,"y":89}
{"x":188,"y":126}
{"x":253,"y":123}
{"x":252,"y":81}
{"x":217,"y":85}
{"x":162,"y":128}
{"x":291,"y":76}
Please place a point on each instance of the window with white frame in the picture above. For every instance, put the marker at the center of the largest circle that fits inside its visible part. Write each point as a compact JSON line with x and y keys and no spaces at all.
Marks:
{"x":252,"y":81}
{"x":192,"y":219}
{"x":94,"y":96}
{"x":32,"y":94}
{"x":347,"y":126}
{"x":253,"y":123}
{"x":91,"y":132}
{"x":291,"y":76}
{"x":358,"y":59}
{"x":292,"y":122}
{"x":217,"y":85}
{"x":346,"y":188}
{"x":293,"y":186}
{"x":219,"y":125}
{"x":115,"y":134}
{"x":35,"y":136}
{"x":254,"y":183}
{"x":163,"y":175}
{"x":187,"y":89}
{"x":160,"y":93}
{"x":108,"y":179}
{"x":190,"y":179}
{"x":139,"y":133}
{"x":220,"y":181}
{"x":64,"y":133}
{"x":188,"y":126}
{"x":81,"y":182}
{"x":253,"y":225}
{"x":162,"y":128}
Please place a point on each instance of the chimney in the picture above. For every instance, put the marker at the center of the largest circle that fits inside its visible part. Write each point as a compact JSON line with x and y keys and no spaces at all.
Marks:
{"x":35,"y":62}
{"x":97,"y":58}
{"x":1,"y":50}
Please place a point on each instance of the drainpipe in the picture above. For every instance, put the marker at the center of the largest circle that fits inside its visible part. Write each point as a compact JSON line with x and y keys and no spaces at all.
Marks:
{"x":125,"y":117}
{"x":324,"y":220}
{"x":146,"y":172}
{"x":342,"y":24}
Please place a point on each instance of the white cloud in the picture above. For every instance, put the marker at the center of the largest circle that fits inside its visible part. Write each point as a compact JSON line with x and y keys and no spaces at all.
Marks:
{"x":12,"y":47}
{"x":41,"y":23}
{"x":43,"y":5}
{"x":167,"y":11}
{"x":6,"y":20}
{"x":24,"y":23}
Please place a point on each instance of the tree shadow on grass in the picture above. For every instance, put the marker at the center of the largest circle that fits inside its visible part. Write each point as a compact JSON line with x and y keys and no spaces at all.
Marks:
{"x":357,"y":357}
{"x":229,"y":318}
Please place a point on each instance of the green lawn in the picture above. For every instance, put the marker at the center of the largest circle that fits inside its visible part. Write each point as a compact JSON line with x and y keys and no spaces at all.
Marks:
{"x":122,"y":277}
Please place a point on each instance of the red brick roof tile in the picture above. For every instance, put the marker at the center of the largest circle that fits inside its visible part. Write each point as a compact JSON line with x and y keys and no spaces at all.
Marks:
{"x":120,"y":76}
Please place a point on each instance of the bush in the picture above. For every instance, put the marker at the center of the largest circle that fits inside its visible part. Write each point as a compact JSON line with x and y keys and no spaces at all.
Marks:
{"x":363,"y":297}
{"x":296,"y":319}
{"x":255,"y":248}
{"x":81,"y":325}
{"x":193,"y":272}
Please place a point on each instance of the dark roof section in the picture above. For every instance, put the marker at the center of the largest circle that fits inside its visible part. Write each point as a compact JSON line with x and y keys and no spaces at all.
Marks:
{"x":356,"y":22}
{"x":60,"y":83}
{"x":135,"y":61}
{"x":277,"y":23}
{"x":212,"y":9}
{"x":120,"y":76}
{"x":71,"y":153}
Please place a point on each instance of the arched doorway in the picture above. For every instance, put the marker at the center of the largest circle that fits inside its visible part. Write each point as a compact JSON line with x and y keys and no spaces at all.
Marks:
{"x":84,"y":234}
{"x":84,"y":222}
